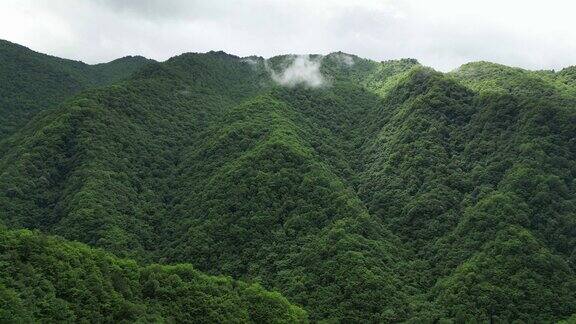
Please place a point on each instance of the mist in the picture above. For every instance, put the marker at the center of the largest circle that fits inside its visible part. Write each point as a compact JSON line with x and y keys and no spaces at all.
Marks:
{"x":343,"y":59}
{"x":303,"y":70}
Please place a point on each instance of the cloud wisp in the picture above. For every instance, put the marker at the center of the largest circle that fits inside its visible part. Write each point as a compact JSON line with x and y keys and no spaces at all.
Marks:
{"x":343,"y":59}
{"x":302,"y":70}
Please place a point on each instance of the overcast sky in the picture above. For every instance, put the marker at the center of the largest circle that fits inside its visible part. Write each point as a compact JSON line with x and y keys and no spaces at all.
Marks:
{"x":442,"y":33}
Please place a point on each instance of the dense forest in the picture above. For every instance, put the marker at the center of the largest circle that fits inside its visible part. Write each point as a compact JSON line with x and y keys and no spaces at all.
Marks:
{"x":33,"y":82}
{"x":47,"y":279}
{"x":214,"y":188}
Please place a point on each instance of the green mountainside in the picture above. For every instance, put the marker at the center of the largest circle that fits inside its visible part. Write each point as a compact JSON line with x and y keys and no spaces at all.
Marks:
{"x":32,"y":82}
{"x":47,"y":279}
{"x":362,"y":191}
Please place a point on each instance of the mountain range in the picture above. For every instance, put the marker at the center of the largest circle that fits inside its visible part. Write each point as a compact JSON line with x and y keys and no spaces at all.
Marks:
{"x":322,"y":188}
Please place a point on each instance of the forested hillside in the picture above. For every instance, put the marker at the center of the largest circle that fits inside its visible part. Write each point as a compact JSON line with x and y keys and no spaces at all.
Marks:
{"x":362,"y":191}
{"x":32,"y":82}
{"x":47,"y":279}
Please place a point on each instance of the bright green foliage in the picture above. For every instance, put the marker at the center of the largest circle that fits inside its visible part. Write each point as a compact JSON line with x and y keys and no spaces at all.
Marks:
{"x":392,"y":193}
{"x":507,"y":280}
{"x":51,"y":280}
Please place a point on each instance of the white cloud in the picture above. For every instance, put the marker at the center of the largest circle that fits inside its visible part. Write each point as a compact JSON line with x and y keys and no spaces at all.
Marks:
{"x":443,"y":34}
{"x":301,"y":70}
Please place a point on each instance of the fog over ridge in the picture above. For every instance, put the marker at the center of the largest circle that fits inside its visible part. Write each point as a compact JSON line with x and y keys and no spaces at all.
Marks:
{"x":302,"y":70}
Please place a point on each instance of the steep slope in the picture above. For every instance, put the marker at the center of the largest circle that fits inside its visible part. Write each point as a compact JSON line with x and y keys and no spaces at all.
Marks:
{"x":96,"y":169}
{"x":457,"y":159}
{"x":48,"y":279}
{"x":32,"y":82}
{"x":270,"y":208}
{"x":522,"y":143}
{"x":410,"y":173}
{"x":507,"y":280}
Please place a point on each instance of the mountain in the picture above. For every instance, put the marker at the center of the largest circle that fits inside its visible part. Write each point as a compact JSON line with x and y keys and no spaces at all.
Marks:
{"x":363,"y":191}
{"x":33,"y":82}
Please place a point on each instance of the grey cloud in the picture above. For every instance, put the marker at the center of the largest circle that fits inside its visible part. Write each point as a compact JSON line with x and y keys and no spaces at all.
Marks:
{"x":166,"y":10}
{"x":442,"y":34}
